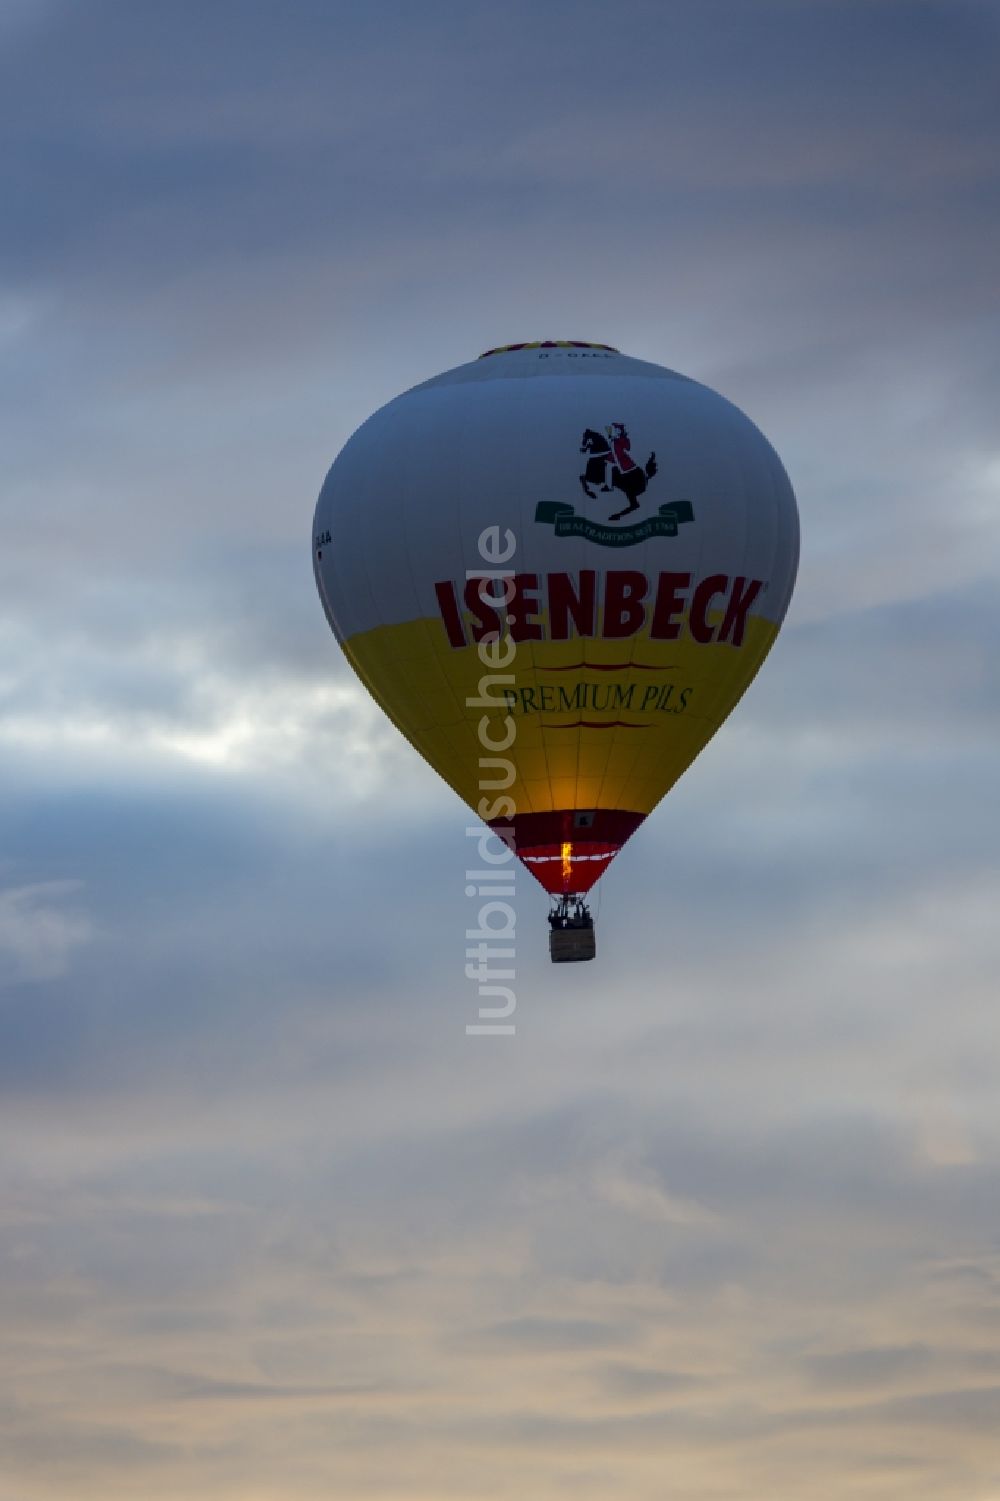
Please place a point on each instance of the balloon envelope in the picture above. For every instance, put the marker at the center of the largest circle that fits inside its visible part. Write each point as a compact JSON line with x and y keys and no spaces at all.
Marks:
{"x":557,"y":569}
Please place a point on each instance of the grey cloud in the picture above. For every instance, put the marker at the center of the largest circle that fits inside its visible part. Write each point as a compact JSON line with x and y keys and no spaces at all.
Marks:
{"x":873,"y":1366}
{"x":640,"y":1383}
{"x":39,"y":930}
{"x":77,"y":1449}
{"x":131,"y":1385}
{"x":194,"y":185}
{"x":555,"y":1336}
{"x":965,"y":1409}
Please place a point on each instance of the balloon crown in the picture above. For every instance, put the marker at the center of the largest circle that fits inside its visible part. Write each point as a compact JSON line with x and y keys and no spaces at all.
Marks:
{"x":549,"y":344}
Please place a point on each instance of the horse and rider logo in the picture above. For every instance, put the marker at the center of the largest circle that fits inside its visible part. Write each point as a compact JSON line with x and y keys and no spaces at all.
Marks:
{"x":611,"y":461}
{"x":610,"y":466}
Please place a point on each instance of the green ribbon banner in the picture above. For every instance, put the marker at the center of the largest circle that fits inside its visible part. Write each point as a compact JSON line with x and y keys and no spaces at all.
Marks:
{"x":568,"y":523}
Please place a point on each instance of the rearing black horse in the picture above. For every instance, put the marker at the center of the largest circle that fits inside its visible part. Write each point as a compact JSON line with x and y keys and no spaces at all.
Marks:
{"x":630,"y":480}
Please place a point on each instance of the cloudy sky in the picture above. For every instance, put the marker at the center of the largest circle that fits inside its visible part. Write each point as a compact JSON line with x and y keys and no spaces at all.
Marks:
{"x":722,"y":1219}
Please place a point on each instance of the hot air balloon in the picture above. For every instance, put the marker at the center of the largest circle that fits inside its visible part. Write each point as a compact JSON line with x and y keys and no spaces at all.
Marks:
{"x":557,"y":569}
